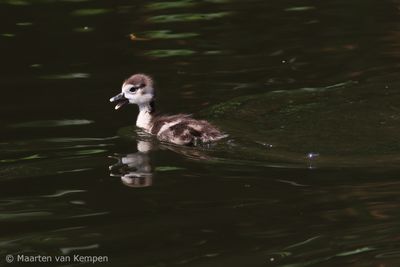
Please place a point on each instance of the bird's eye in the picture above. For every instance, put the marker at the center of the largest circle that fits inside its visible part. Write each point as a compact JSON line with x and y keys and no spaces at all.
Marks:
{"x":133,"y":89}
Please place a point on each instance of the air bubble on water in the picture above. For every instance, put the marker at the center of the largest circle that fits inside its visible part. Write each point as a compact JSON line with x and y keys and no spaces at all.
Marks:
{"x":264,"y":144}
{"x":312,"y":155}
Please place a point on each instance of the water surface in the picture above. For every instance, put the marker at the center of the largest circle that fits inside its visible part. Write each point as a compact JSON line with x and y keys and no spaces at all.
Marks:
{"x":307,"y":91}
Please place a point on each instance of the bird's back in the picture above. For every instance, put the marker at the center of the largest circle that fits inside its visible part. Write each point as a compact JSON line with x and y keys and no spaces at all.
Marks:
{"x":182,"y":129}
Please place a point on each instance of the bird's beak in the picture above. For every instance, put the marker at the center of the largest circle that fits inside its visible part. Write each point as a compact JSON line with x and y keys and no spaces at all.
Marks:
{"x":120,"y":99}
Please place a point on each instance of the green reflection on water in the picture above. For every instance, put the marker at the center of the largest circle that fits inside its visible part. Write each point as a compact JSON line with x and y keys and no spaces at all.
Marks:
{"x":66,"y":76}
{"x":27,"y":3}
{"x":82,"y":152}
{"x":50,"y":123}
{"x":90,"y":12}
{"x":76,"y":1}
{"x":169,"y":52}
{"x":8,"y":35}
{"x":36,"y":156}
{"x":188,"y":17}
{"x":64,"y":192}
{"x":218,"y":1}
{"x":338,"y":122}
{"x":166,"y":34}
{"x":15,"y":2}
{"x":24,"y":24}
{"x":323,"y":259}
{"x":172,"y":4}
{"x":168,"y":168}
{"x":354,"y":252}
{"x":22,"y":216}
{"x":300,"y":8}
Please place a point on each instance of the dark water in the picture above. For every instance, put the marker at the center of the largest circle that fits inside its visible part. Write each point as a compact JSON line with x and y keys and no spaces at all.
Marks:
{"x":307,"y":90}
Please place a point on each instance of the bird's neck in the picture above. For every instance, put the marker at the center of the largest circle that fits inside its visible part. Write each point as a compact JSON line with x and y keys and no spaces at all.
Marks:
{"x":145,"y":116}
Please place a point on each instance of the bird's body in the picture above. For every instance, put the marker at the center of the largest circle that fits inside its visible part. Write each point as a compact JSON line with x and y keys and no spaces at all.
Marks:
{"x":179,"y":129}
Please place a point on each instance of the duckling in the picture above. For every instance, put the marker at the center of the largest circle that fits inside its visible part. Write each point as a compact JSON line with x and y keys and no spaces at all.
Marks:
{"x":180,"y":129}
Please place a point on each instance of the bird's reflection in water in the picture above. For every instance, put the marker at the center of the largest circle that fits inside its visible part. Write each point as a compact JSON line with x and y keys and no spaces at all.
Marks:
{"x":135,"y":168}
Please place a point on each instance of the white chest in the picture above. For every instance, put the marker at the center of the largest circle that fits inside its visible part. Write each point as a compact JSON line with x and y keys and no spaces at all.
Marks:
{"x":144,"y":120}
